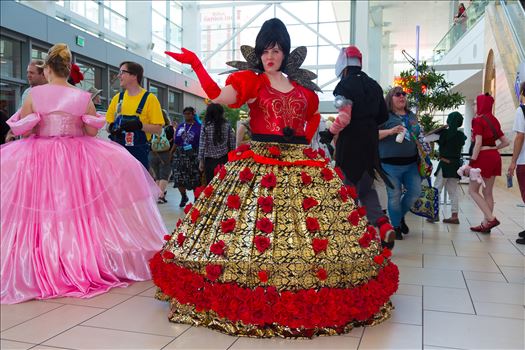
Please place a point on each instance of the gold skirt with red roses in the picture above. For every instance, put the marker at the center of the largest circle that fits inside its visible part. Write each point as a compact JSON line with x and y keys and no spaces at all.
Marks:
{"x":276,"y":245}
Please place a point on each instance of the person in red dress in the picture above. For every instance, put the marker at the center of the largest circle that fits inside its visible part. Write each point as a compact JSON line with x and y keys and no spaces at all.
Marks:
{"x":486,"y":130}
{"x":275,"y":245}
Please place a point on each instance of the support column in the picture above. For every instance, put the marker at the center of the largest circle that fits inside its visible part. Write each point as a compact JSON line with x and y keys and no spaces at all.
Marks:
{"x":375,"y":32}
{"x":360,"y":29}
{"x":467,"y":122}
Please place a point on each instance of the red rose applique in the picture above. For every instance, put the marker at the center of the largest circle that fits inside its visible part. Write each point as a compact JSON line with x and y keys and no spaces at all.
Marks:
{"x":352,"y":192}
{"x":208,"y":191}
{"x":233,"y":201}
{"x":354,"y":217}
{"x":379,"y":259}
{"x":275,"y":151}
{"x":265,"y":203}
{"x":195,"y":213}
{"x":310,"y":153}
{"x":265,"y":225}
{"x":263,"y":276}
{"x":387,"y":253}
{"x":269,"y":181}
{"x":228,"y":225}
{"x":339,"y":173}
{"x":327,"y":174}
{"x":221,"y":170}
{"x":306,"y":179}
{"x":187,"y":208}
{"x":213,"y":271}
{"x":309,"y":202}
{"x":319,"y":245}
{"x":167,"y":237}
{"x":218,"y":248}
{"x":179,"y":222}
{"x":343,"y":194}
{"x":261,"y":243}
{"x":312,"y":224}
{"x":362,"y":211}
{"x":322,"y":274}
{"x":180,"y":239}
{"x":321,"y":152}
{"x":168,"y":255}
{"x":197,"y":191}
{"x":246,"y":175}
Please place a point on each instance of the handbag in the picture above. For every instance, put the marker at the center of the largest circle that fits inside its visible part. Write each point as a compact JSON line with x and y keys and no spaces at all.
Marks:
{"x":424,"y":164}
{"x":427,"y":205}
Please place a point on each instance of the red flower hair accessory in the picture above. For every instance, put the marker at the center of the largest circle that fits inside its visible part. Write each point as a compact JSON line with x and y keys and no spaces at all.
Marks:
{"x":228,"y":225}
{"x":261,"y":243}
{"x":265,"y":225}
{"x":269,"y":181}
{"x":233,"y":201}
{"x":306,"y":179}
{"x":265,"y":203}
{"x":319,"y":245}
{"x":246,"y":175}
{"x":213,"y":271}
{"x":75,"y":74}
{"x":312,"y":224}
{"x":218,"y":248}
{"x":309,"y":202}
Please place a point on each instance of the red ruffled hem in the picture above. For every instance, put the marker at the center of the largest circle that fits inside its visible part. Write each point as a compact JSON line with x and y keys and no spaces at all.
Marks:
{"x":309,"y":308}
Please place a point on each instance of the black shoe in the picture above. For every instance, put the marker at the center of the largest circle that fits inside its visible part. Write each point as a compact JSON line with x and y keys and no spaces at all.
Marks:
{"x":522,"y":234}
{"x":399,"y":235}
{"x":388,"y":245}
{"x":403,"y":226}
{"x":184,"y":199}
{"x":520,"y":241}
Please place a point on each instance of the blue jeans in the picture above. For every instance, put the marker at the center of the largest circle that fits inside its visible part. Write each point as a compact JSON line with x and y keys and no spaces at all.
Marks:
{"x":402,"y":176}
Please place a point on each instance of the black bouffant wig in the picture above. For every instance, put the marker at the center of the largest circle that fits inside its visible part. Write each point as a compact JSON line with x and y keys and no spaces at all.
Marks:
{"x":272,"y":32}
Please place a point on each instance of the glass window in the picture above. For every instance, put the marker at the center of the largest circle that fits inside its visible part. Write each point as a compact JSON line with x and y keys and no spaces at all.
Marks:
{"x":175,"y":35}
{"x":87,"y":9}
{"x":159,"y":45}
{"x":159,"y":6}
{"x":175,"y":13}
{"x":174,"y":101}
{"x":92,"y":75}
{"x":9,"y":93}
{"x":301,"y":36}
{"x":328,"y":55}
{"x":114,"y":22}
{"x":38,"y":53}
{"x":117,"y":6}
{"x":60,"y":2}
{"x":305,"y":10}
{"x":158,"y":24}
{"x":336,"y":32}
{"x":216,"y":18}
{"x":10,"y":58}
{"x":159,"y":92}
{"x":114,"y":87}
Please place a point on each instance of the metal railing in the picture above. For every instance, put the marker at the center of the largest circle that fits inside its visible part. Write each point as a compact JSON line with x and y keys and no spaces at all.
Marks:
{"x":461,"y":26}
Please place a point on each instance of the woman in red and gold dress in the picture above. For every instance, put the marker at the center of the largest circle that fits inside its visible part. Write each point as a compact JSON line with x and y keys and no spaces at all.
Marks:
{"x":275,"y":245}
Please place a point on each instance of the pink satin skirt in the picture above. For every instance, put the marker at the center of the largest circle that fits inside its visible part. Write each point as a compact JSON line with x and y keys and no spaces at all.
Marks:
{"x":78,"y":217}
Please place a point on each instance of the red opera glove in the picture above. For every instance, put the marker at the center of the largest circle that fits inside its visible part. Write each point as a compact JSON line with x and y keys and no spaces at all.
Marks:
{"x":188,"y":57}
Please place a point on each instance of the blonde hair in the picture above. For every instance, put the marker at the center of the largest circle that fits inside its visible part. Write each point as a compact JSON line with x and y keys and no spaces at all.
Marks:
{"x":59,"y":60}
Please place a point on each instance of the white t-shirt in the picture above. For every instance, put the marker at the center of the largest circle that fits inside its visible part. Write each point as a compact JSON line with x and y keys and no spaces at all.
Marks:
{"x":519,"y":126}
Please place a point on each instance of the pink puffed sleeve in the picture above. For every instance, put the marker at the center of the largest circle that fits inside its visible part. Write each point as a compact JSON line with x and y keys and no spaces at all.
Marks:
{"x":96,"y":121}
{"x":19,"y":125}
{"x":246,"y":83}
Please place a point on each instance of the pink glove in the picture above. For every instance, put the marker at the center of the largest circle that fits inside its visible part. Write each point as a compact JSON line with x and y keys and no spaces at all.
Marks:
{"x":21,"y":126}
{"x":208,"y":84}
{"x":96,"y":121}
{"x":343,"y":119}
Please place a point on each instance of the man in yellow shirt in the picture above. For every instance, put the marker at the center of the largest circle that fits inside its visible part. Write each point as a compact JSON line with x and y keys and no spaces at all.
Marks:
{"x":135,"y":114}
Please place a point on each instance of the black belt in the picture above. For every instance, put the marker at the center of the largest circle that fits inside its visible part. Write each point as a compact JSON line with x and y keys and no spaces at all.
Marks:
{"x":279,"y":138}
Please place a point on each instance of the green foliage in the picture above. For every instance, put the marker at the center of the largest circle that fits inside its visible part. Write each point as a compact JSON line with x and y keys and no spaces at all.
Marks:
{"x":430,"y":94}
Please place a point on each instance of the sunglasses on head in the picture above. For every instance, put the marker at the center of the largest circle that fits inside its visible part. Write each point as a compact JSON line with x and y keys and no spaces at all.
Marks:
{"x":401,"y":93}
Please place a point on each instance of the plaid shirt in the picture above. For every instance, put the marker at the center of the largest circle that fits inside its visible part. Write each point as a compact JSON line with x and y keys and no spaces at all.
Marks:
{"x":207,"y":148}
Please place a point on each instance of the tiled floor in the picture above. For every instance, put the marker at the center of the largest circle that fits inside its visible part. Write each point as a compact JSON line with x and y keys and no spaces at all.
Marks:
{"x":458,"y":290}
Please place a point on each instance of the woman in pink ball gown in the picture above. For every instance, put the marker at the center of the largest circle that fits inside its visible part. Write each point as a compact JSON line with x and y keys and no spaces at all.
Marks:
{"x":78,"y":214}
